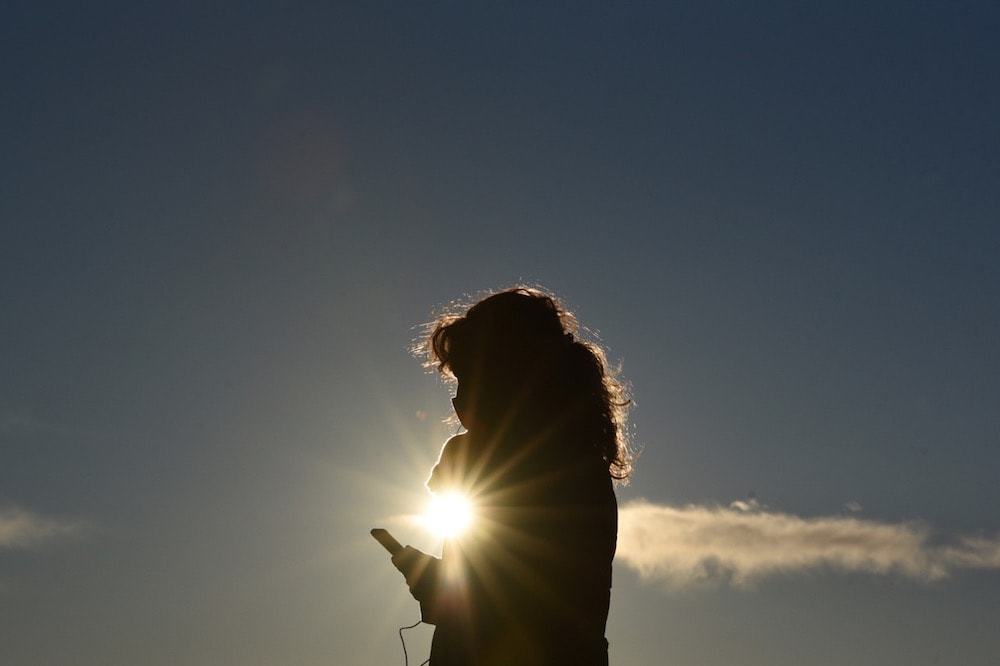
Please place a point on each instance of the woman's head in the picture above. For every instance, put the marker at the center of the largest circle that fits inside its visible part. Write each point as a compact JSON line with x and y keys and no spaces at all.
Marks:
{"x":520,"y":368}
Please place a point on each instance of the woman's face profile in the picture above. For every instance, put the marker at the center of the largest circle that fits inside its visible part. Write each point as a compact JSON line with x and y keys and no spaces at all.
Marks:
{"x":462,"y":406}
{"x":474,"y":405}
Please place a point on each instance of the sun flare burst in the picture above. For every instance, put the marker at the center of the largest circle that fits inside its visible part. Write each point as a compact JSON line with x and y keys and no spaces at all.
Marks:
{"x":448,"y":515}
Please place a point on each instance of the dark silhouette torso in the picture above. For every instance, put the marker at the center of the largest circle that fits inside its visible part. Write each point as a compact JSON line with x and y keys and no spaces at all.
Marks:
{"x":530,"y":583}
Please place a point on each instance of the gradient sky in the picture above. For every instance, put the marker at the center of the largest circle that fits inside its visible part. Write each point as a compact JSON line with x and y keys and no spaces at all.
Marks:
{"x":223,"y":223}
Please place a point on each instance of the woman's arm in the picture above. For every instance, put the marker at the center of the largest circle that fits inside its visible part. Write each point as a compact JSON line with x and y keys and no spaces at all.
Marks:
{"x":423,"y":574}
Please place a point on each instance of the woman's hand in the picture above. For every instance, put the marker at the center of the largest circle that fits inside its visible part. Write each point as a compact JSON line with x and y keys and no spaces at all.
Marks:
{"x":419,"y":569}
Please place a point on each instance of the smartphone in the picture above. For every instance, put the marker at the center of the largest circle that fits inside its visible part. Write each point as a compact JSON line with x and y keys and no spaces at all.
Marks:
{"x":387,"y":540}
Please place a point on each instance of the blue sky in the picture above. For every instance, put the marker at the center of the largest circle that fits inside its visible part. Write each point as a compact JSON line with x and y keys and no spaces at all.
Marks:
{"x":223,"y":225}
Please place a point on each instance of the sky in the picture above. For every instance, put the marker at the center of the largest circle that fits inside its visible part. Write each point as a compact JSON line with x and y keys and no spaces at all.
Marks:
{"x":222,"y":226}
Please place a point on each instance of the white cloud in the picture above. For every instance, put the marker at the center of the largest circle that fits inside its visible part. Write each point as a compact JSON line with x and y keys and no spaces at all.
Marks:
{"x":744,"y":543}
{"x":20,"y":528}
{"x":18,"y":422}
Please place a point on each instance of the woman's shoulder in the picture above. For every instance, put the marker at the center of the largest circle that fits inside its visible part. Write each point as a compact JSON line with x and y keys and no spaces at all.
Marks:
{"x":454,"y":446}
{"x":452,"y":463}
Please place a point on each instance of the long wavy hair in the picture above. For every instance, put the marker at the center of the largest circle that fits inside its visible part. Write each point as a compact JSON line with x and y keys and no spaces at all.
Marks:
{"x":517,"y":357}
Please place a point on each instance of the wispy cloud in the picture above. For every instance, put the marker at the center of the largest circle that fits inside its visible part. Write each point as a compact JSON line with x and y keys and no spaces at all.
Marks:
{"x":744,"y":543}
{"x":24,"y":422}
{"x":20,"y":528}
{"x":20,"y":422}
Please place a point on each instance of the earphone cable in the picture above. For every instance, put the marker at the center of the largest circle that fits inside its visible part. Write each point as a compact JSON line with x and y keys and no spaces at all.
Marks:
{"x":406,"y":658}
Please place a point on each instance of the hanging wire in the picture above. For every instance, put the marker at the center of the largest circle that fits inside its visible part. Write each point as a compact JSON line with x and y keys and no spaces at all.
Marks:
{"x":406,"y":658}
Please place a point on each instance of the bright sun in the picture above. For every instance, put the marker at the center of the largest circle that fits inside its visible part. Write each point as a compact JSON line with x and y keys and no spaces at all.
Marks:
{"x":448,"y":515}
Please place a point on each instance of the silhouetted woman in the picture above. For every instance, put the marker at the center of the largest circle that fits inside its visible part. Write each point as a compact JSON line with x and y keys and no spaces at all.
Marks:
{"x":530,"y":582}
